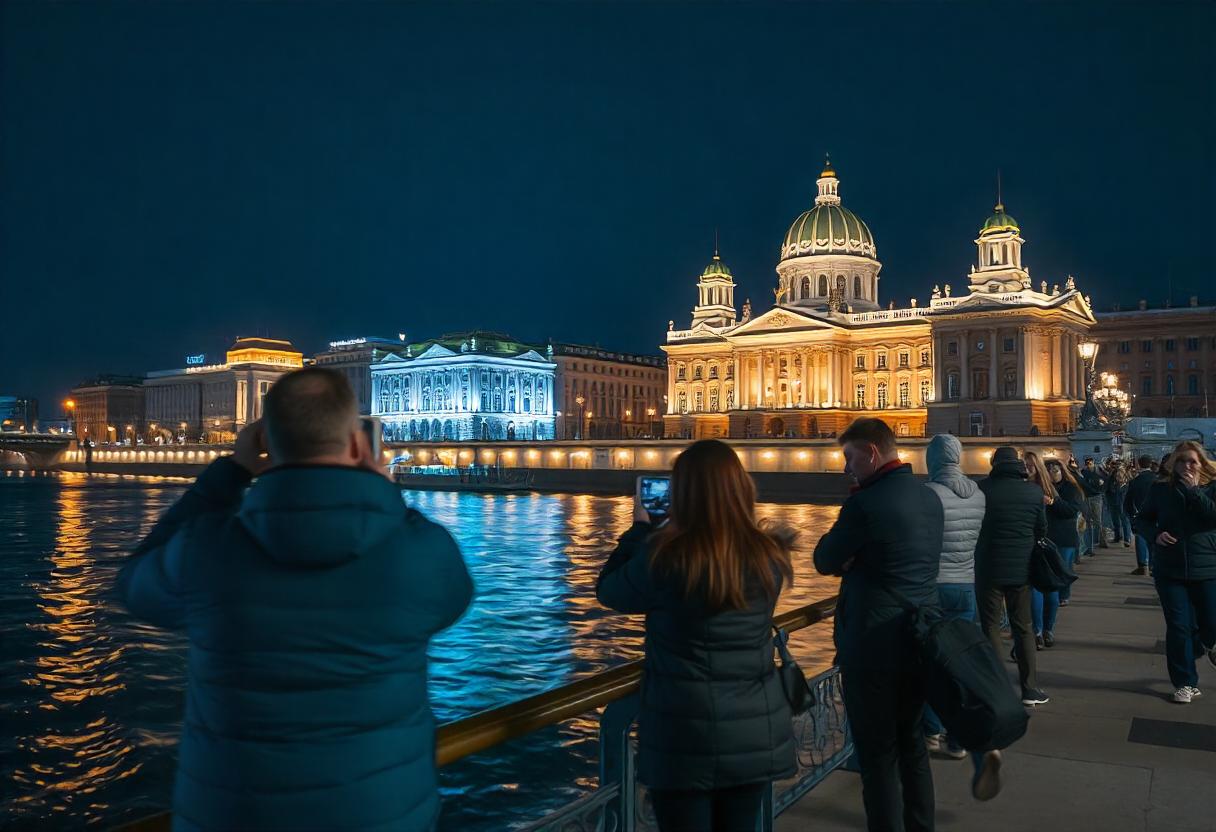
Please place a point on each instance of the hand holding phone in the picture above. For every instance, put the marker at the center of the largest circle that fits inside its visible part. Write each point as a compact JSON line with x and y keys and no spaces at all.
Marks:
{"x":654,"y":498}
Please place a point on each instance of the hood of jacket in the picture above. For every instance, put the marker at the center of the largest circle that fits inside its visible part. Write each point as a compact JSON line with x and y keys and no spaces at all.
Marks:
{"x":320,"y":515}
{"x":943,"y":458}
{"x":1014,"y":469}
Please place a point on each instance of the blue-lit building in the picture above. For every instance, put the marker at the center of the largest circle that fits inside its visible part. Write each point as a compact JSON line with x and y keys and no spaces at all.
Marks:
{"x":474,"y":385}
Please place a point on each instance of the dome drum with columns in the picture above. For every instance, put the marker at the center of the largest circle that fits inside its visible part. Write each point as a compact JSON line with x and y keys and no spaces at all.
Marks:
{"x":996,"y":358}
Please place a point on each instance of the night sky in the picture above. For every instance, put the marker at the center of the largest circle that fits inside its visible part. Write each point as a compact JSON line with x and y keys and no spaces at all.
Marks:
{"x":173,"y":175}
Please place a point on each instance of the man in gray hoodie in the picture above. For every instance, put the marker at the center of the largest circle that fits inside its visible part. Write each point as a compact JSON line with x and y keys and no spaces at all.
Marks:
{"x":963,"y":512}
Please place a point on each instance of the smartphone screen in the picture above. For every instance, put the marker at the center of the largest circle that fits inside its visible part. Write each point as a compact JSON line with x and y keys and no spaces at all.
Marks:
{"x":655,"y":495}
{"x":371,"y":426}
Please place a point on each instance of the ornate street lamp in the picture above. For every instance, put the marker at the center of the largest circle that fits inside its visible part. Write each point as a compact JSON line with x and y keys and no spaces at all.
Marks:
{"x":580,"y":401}
{"x":1112,"y":402}
{"x":1106,"y":406}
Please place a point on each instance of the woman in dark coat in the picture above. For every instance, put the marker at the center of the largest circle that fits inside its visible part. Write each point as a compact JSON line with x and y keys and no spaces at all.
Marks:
{"x":1179,"y":521}
{"x":714,"y":728}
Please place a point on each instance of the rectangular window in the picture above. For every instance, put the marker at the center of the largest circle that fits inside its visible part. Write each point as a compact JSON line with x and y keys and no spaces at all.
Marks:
{"x":861,"y":361}
{"x":882,"y":361}
{"x":1192,"y":385}
{"x":924,"y":392}
{"x":1146,"y":345}
{"x":1009,"y":345}
{"x":952,"y":348}
{"x":1125,"y":346}
{"x":1192,"y":344}
{"x":903,"y":359}
{"x":1146,"y":386}
{"x":860,"y":396}
{"x":1170,"y":344}
{"x":924,"y":358}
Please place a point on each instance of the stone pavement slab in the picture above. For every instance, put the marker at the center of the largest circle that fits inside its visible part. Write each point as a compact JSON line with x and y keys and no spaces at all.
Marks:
{"x":1076,"y":768}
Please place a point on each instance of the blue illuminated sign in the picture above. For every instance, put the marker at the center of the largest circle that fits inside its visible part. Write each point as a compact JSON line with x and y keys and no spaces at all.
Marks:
{"x":194,"y":360}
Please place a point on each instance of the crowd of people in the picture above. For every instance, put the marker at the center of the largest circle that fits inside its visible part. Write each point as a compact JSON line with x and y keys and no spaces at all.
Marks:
{"x":309,"y":592}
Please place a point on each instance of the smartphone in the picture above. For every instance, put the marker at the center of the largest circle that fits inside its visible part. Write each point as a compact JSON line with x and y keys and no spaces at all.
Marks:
{"x":375,"y":433}
{"x":655,"y":496}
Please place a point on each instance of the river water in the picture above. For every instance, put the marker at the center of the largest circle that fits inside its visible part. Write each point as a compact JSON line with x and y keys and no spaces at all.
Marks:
{"x":91,"y":700}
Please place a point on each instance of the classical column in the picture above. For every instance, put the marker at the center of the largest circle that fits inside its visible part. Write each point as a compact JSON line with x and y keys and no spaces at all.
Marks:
{"x":805,"y":397}
{"x":964,"y":381}
{"x":1020,"y":363}
{"x":737,"y":379}
{"x":992,"y":379}
{"x":1056,"y":360}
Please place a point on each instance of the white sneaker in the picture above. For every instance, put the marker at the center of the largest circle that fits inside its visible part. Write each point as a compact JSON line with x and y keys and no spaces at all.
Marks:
{"x":1184,"y":695}
{"x":987,"y":782}
{"x":935,"y":743}
{"x":1196,"y":692}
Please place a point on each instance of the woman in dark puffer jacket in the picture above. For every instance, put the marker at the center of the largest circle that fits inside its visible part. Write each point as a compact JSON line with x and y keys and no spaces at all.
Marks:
{"x":714,"y":728}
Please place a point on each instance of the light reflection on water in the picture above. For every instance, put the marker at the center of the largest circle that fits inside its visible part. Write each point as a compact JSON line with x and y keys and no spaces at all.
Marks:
{"x":91,"y":700}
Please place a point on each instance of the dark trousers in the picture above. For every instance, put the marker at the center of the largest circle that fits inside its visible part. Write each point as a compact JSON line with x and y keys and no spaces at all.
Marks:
{"x":735,"y":809}
{"x":1190,"y":625}
{"x":1017,"y":603}
{"x":885,"y":710}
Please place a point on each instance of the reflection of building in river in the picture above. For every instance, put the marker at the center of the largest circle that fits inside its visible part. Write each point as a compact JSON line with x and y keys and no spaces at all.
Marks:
{"x":999,"y":358}
{"x":217,"y":400}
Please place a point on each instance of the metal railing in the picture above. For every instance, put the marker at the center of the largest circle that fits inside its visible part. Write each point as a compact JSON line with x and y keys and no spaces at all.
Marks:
{"x":619,"y":803}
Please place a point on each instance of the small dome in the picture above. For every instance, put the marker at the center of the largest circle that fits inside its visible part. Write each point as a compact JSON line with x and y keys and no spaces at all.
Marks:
{"x":716,"y":268}
{"x":999,"y":221}
{"x":828,"y":229}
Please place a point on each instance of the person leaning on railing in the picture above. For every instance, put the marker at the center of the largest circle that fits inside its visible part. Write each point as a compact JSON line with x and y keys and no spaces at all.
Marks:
{"x":714,"y":727}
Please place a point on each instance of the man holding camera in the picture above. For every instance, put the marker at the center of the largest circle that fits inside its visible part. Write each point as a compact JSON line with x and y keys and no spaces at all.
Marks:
{"x":309,"y":598}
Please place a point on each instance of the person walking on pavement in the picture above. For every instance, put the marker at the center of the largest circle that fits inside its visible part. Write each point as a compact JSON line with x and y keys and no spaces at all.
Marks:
{"x":1093,"y":482}
{"x":886,"y":544}
{"x":1014,"y":519}
{"x":1133,"y":501}
{"x":963,"y":514}
{"x":1179,"y":518}
{"x":1065,"y":506}
{"x":1116,"y":490}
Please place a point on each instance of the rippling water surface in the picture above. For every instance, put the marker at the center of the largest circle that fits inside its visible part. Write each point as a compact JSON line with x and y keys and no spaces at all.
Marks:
{"x":91,"y":700}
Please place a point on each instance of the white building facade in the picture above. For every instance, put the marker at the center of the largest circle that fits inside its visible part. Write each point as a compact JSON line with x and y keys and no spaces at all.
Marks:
{"x":475,"y":386}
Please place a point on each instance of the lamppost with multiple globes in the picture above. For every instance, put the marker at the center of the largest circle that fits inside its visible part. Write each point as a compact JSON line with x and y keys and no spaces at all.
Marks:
{"x":1106,"y":406}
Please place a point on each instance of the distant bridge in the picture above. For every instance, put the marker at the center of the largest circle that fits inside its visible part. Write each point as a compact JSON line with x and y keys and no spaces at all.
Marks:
{"x":39,"y":449}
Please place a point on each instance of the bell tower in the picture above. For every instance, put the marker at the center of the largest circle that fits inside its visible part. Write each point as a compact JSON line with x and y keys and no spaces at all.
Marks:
{"x":715,"y":295}
{"x":999,"y":245}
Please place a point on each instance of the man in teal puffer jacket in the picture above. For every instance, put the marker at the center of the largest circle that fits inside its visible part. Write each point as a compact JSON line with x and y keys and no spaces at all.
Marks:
{"x":308,"y":601}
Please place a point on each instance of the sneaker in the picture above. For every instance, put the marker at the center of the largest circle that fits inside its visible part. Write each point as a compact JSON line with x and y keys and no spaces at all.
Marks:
{"x":1126,"y":545}
{"x":1140,"y":570}
{"x":1049,"y":640}
{"x":935,"y":743}
{"x":1034,"y":696}
{"x":954,"y":752}
{"x":987,"y":781}
{"x":1063,"y":602}
{"x":1184,"y":695}
{"x":1038,"y":642}
{"x":1195,"y":692}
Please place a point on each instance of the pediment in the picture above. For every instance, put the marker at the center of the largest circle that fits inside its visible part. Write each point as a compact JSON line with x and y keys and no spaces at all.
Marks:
{"x":436,"y":351}
{"x":531,"y":355}
{"x":782,"y":318}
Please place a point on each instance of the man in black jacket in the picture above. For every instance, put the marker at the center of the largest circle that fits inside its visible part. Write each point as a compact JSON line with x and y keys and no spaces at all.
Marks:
{"x":1137,"y":495}
{"x":886,"y":544}
{"x":1014,"y":519}
{"x":1093,"y":481}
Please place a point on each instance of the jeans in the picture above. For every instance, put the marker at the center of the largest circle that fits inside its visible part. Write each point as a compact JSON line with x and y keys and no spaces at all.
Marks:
{"x":717,"y":810}
{"x":1017,"y":603}
{"x":1093,"y":516}
{"x":1190,"y":625}
{"x":957,"y":601}
{"x":885,"y":703}
{"x":1045,"y":606}
{"x":1142,"y":551}
{"x":1070,"y":556}
{"x":1119,"y":521}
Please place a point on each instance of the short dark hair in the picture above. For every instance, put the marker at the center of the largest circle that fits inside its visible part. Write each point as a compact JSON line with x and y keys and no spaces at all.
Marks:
{"x":308,"y":413}
{"x":1145,"y":461}
{"x":868,"y":429}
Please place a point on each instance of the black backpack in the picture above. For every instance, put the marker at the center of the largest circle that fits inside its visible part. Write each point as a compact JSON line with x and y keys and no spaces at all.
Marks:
{"x":1048,"y":571}
{"x":964,"y":681}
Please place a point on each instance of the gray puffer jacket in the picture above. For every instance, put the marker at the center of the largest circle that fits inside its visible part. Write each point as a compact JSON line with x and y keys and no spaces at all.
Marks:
{"x":963,"y":508}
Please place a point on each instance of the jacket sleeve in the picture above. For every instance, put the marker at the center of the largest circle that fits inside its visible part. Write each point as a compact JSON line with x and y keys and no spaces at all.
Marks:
{"x":1144,"y":522}
{"x":450,"y":590}
{"x":625,"y":583}
{"x":1199,"y":504}
{"x":151,"y":583}
{"x":1065,"y":506}
{"x":843,"y":542}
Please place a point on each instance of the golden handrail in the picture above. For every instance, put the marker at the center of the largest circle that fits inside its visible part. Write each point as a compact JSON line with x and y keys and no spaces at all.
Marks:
{"x":462,"y":737}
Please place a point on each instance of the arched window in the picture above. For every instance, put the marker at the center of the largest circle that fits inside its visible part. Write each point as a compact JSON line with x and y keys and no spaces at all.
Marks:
{"x":823,"y":285}
{"x":805,"y":289}
{"x":952,"y":386}
{"x":713,"y":400}
{"x":856,"y":286}
{"x":905,"y":394}
{"x":859,"y":395}
{"x":1010,"y":386}
{"x":1169,"y":385}
{"x":924,"y":391}
{"x":1192,"y":385}
{"x":882,"y":395}
{"x":683,"y":399}
{"x":698,"y":401}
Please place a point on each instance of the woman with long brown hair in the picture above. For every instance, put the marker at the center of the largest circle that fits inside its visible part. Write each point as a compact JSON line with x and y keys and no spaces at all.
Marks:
{"x":1179,"y":521}
{"x":714,"y":728}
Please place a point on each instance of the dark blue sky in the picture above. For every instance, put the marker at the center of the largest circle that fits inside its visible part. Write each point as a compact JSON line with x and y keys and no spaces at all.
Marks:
{"x":173,"y":175}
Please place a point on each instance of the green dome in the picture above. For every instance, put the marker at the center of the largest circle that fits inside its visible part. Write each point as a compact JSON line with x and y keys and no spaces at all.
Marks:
{"x":828,"y":228}
{"x":716,"y":268}
{"x":1000,"y":221}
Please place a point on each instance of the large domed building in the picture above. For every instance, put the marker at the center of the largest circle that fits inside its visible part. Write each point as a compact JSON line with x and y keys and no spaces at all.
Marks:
{"x":998,"y":358}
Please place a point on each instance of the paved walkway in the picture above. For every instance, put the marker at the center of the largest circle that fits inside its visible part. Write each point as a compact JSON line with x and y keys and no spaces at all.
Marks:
{"x":1107,"y":754}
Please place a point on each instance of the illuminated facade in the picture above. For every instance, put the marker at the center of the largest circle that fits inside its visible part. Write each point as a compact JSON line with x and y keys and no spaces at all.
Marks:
{"x":476,"y":385}
{"x":109,"y":409}
{"x":354,"y":357}
{"x":622,"y":395}
{"x":214,"y":401}
{"x":999,"y":358}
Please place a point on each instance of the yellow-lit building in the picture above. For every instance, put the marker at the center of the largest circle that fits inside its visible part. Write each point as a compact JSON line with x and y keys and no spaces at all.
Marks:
{"x":214,"y":401}
{"x":997,"y":358}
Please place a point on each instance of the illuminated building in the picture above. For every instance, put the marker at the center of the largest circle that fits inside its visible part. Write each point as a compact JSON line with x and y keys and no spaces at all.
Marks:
{"x":354,"y":358}
{"x":18,"y":413}
{"x":109,"y":408}
{"x":215,"y":401}
{"x":997,"y":358}
{"x":1164,"y":358}
{"x":473,"y":385}
{"x":623,"y":394}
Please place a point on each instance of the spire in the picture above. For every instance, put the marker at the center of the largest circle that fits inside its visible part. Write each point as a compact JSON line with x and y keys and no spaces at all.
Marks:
{"x":828,"y":184}
{"x":827,"y":165}
{"x":1000,"y":204}
{"x":716,"y":257}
